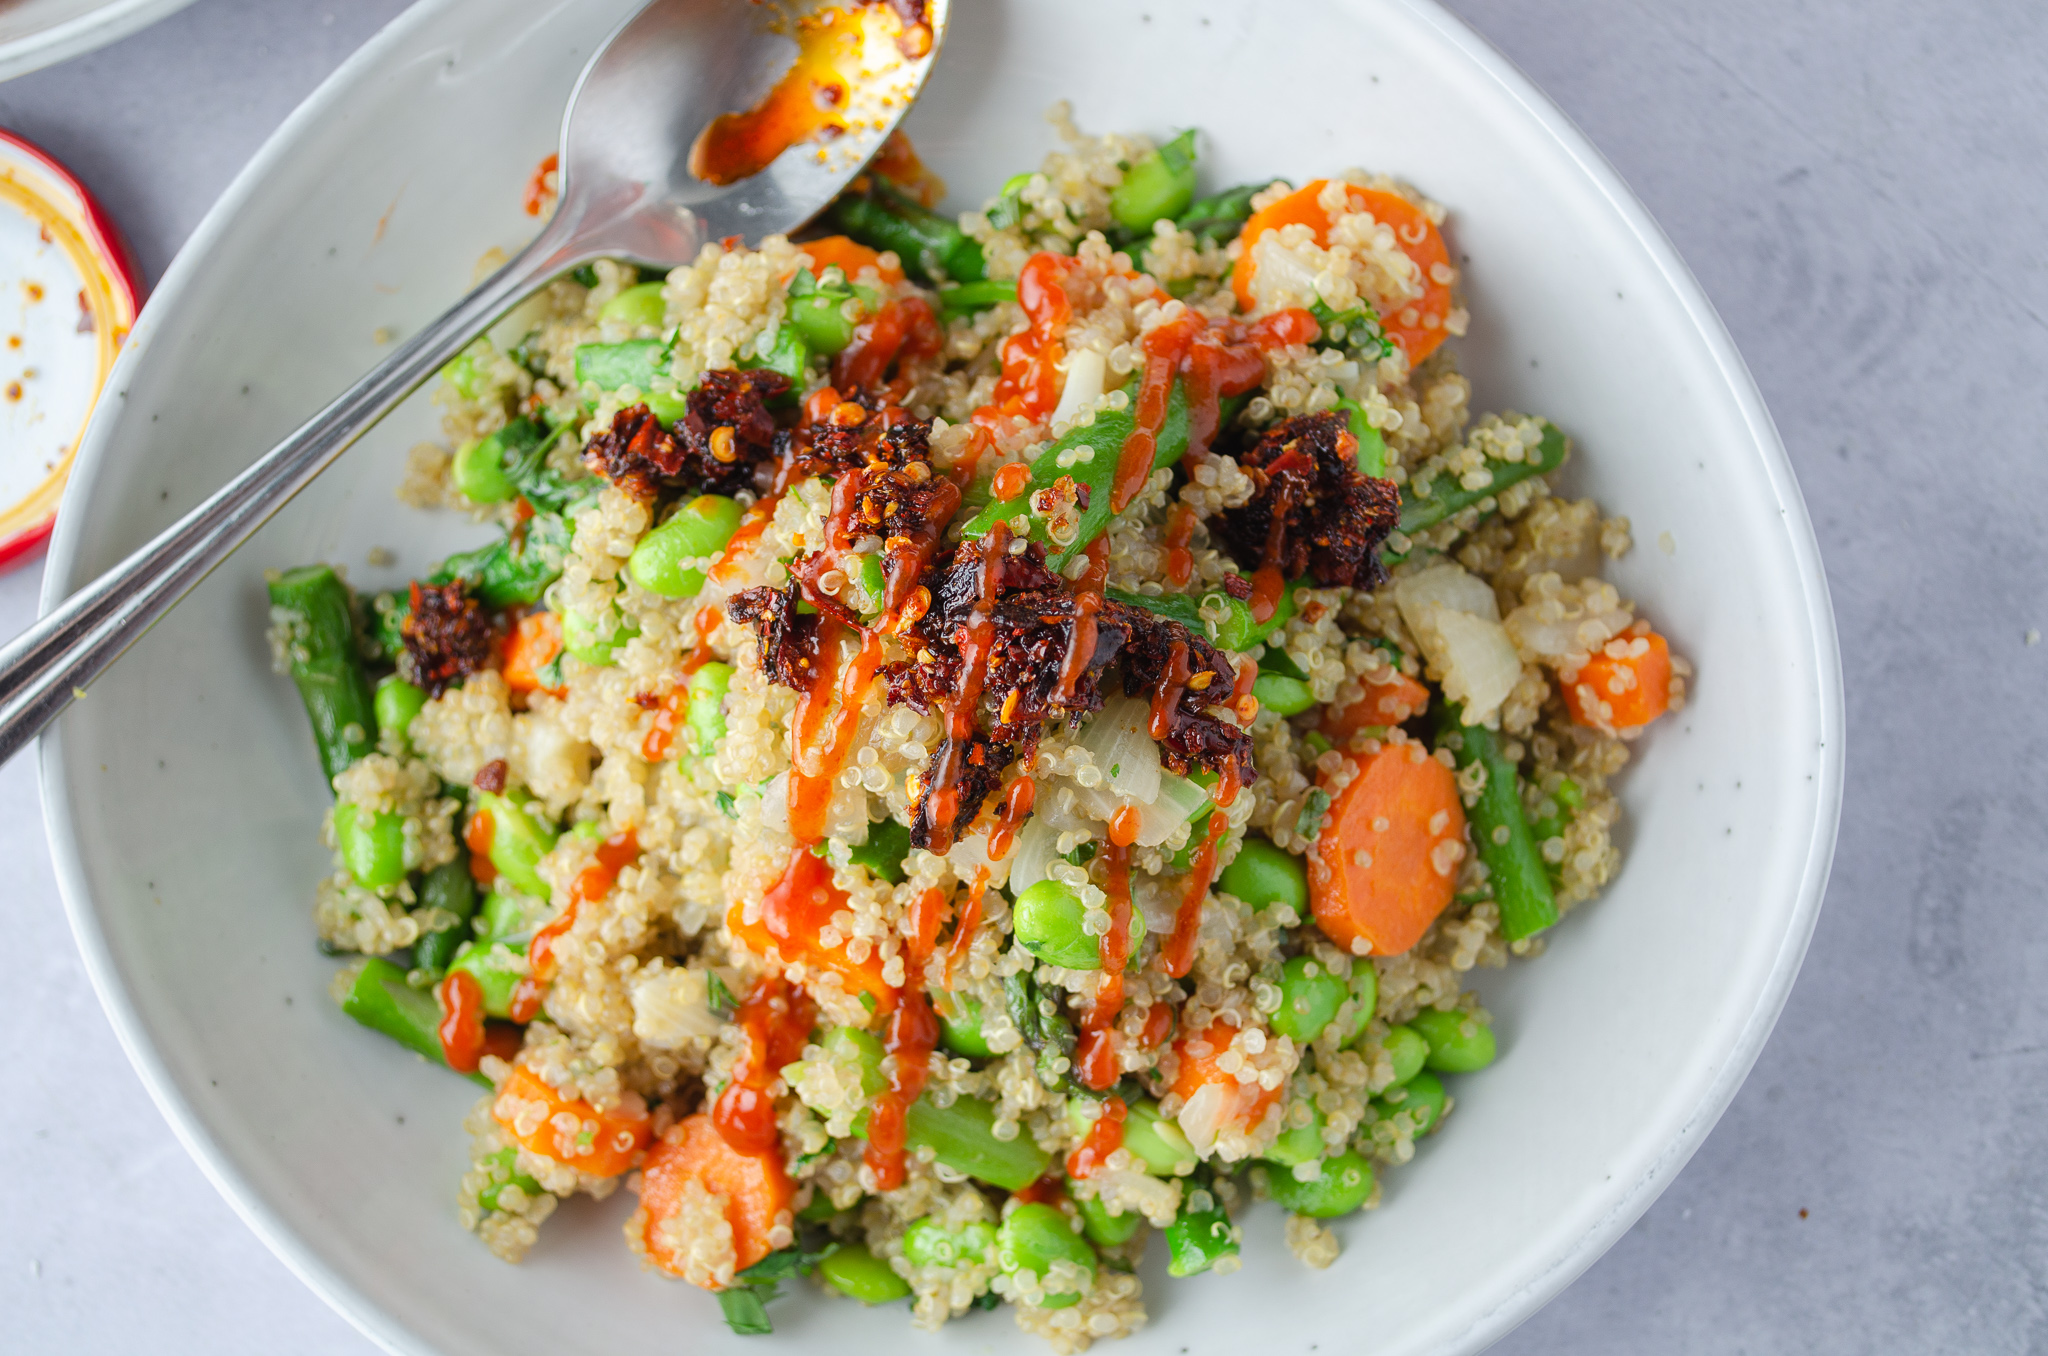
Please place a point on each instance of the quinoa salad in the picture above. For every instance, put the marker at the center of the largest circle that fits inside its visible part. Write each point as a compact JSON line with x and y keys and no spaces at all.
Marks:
{"x":979,"y":744}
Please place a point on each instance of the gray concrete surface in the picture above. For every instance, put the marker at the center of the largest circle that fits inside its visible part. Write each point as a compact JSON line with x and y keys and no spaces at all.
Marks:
{"x":1860,"y":188}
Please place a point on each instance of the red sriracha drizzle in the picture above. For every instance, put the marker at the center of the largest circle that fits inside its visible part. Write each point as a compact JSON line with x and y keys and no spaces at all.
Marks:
{"x":595,"y":881}
{"x":777,"y":1018}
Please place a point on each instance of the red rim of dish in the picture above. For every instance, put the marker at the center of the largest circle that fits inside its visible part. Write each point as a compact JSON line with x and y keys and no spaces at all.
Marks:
{"x":112,"y":248}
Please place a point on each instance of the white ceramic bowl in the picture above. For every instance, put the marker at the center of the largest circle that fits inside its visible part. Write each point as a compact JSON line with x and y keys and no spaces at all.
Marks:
{"x":39,"y":33}
{"x":184,"y":799}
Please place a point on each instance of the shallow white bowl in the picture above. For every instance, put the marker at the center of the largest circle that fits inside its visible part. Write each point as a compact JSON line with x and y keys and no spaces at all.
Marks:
{"x":39,"y":33}
{"x":184,"y":799}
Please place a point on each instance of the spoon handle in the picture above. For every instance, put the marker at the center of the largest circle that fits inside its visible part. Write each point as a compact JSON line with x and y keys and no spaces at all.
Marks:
{"x":47,"y":666}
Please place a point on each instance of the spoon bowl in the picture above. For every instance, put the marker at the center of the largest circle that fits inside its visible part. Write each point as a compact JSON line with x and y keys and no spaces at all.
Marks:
{"x":625,"y":190}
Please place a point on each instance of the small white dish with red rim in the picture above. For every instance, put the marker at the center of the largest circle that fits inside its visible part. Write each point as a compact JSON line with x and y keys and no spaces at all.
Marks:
{"x":68,"y":297}
{"x":184,"y":799}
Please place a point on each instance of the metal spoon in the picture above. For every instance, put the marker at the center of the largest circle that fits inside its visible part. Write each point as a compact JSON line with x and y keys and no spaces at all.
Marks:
{"x":625,"y":192}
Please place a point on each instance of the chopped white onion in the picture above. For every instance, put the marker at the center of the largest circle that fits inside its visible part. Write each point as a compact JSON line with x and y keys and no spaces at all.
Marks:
{"x":1120,"y":741}
{"x":1456,"y":619}
{"x":1031,"y":860}
{"x":1083,"y":386}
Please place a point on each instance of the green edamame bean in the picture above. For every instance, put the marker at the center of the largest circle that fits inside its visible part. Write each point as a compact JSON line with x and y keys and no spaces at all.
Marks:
{"x":1365,"y":998}
{"x":1047,"y":922}
{"x":637,"y":305}
{"x":519,"y":839}
{"x":1459,"y":1042}
{"x":633,"y":362}
{"x":1160,"y":184}
{"x":1104,"y":1229}
{"x":708,"y":686}
{"x":1421,"y":1098}
{"x":1345,"y":1182}
{"x":396,"y":703}
{"x":1309,"y":998}
{"x":1409,"y":1051}
{"x":478,"y":471}
{"x":450,"y":888}
{"x":846,"y":1044}
{"x":372,"y":844}
{"x":1158,"y":1144}
{"x":928,"y":1243}
{"x":1299,"y":1143}
{"x":505,"y":1173}
{"x":1262,"y":874}
{"x":662,"y":561}
{"x":819,"y":317}
{"x":1033,"y":1238}
{"x":962,"y":1137}
{"x":1281,"y":695}
{"x":581,"y":638}
{"x":858,"y":1274}
{"x":497,"y":980}
{"x":960,"y":1025}
{"x":1200,"y":1236}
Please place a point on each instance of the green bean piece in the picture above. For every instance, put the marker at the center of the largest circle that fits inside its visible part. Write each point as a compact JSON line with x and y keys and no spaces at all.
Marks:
{"x":1105,"y":437}
{"x":1365,"y":998}
{"x":478,"y":473}
{"x":667,"y":406}
{"x":708,"y":686}
{"x":1047,"y":922}
{"x":505,"y":1173}
{"x":1421,"y":1098}
{"x":1514,"y":863}
{"x":960,"y":1025}
{"x":858,"y":1274}
{"x":928,"y":1243}
{"x":1299,"y":1143}
{"x":1448,"y":495}
{"x":634,"y":362}
{"x":1160,"y":184}
{"x":581,"y":638}
{"x":395,"y":703}
{"x":1216,"y":220}
{"x":1103,"y":1228}
{"x":1262,"y":875}
{"x":962,"y":1136}
{"x":503,"y":918}
{"x":450,"y":888}
{"x":378,"y":997}
{"x":325,"y":664}
{"x":520,"y":837}
{"x":782,"y":350}
{"x":1237,"y":629}
{"x":1309,"y":998}
{"x":1459,"y":1042}
{"x":1343,"y":1186}
{"x":1200,"y":1236}
{"x":974,"y":297}
{"x":670,"y":560}
{"x":1282,"y":695}
{"x":480,"y":961}
{"x":932,"y":247}
{"x":1405,"y":1046}
{"x":1032,"y":1239}
{"x":1372,"y":445}
{"x":1158,"y":1144}
{"x":640,"y":304}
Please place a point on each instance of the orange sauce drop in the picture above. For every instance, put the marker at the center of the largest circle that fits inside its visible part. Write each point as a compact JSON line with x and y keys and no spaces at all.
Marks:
{"x":1180,"y":561}
{"x":777,"y":1018}
{"x":462,"y":1021}
{"x":594,"y":882}
{"x":1104,"y":1138}
{"x":1178,"y":955}
{"x":1002,"y":835}
{"x":970,"y":919}
{"x":912,"y":1035}
{"x":476,"y":836}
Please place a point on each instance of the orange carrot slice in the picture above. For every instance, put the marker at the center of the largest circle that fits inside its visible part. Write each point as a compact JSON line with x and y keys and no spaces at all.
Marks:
{"x":1389,"y":851}
{"x":1247,"y":1102}
{"x":1388,"y":703}
{"x":758,"y":1193}
{"x":850,"y":256}
{"x":1625,"y":685}
{"x":1417,"y":327}
{"x":601,"y":1143}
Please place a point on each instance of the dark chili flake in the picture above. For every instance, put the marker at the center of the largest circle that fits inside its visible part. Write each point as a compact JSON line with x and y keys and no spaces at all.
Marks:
{"x":1313,"y":512}
{"x":491,"y":776}
{"x":636,"y":453}
{"x":447,"y":635}
{"x":1194,"y":738}
{"x":789,"y":638}
{"x":728,"y":434}
{"x":981,"y":775}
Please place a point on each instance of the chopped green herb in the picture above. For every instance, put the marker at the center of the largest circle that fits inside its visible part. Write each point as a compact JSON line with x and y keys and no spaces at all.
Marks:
{"x":1313,"y":809}
{"x":719,"y":998}
{"x":727,"y":806}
